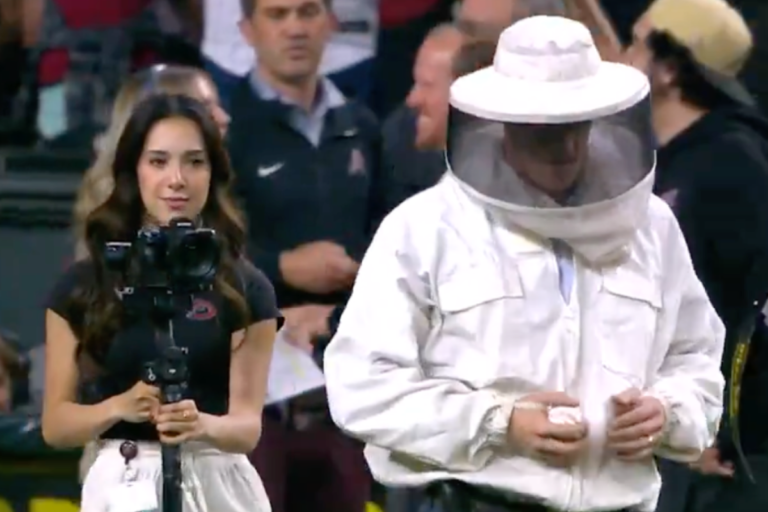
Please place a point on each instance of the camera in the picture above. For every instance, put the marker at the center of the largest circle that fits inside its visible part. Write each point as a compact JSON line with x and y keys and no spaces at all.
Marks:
{"x":172,"y":263}
{"x":179,"y":257}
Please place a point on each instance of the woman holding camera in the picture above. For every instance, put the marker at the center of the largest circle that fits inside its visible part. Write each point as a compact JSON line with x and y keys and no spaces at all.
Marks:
{"x":169,"y":163}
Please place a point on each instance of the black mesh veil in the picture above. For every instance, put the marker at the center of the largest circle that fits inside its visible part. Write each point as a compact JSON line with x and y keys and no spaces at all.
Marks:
{"x":510,"y":164}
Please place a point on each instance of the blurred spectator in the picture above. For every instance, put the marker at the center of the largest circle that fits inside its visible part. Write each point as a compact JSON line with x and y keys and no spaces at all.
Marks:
{"x":432,"y":76}
{"x":486,"y":19}
{"x":97,"y":183}
{"x":756,"y":69}
{"x":349,"y":58}
{"x":414,"y":134}
{"x":591,"y":14}
{"x":403,"y":25}
{"x":11,"y":16}
{"x":346,"y":59}
{"x":713,"y":171}
{"x":473,"y":56}
{"x":227,"y":55}
{"x":11,"y":369}
{"x":16,"y":125}
{"x":87,"y":49}
{"x":306,"y":163}
{"x":622,"y":13}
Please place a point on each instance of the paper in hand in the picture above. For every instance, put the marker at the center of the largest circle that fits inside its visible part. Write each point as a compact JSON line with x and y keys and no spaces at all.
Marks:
{"x":292,"y":372}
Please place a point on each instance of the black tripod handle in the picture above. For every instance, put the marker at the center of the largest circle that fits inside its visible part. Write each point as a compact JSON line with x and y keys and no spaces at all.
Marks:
{"x":172,"y":478}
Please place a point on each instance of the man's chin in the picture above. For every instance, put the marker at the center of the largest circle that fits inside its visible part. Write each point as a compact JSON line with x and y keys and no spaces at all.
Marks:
{"x":299,"y":72}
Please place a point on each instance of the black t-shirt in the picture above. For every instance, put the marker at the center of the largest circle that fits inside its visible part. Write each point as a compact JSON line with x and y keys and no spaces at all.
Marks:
{"x":203,"y":331}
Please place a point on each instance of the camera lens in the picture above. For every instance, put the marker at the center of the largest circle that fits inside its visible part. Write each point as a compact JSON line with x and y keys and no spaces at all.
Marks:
{"x":196,"y":256}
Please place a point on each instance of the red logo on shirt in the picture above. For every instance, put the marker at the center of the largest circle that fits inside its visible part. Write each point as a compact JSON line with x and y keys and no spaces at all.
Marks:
{"x":356,"y":163}
{"x":202,"y":310}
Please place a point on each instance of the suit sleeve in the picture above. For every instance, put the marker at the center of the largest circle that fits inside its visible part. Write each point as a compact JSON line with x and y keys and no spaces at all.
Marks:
{"x":689,"y":382}
{"x":376,"y":388}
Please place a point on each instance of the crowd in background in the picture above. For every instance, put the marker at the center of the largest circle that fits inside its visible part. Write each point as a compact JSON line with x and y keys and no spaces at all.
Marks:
{"x":344,"y":119}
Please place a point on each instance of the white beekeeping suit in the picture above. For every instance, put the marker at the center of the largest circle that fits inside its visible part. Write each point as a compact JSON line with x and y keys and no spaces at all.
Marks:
{"x":541,"y":263}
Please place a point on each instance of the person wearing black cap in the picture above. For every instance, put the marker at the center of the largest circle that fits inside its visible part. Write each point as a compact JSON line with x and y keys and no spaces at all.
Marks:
{"x":712,"y":169}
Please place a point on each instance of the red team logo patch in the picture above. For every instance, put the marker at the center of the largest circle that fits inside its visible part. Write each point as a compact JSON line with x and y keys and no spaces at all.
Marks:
{"x":356,"y":163}
{"x":202,"y":310}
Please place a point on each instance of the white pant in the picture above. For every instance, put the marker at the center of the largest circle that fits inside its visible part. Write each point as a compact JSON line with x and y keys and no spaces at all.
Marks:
{"x":212,"y":481}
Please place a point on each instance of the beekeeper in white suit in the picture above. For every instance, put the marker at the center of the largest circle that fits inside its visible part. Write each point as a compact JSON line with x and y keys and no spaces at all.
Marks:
{"x":530,"y":331}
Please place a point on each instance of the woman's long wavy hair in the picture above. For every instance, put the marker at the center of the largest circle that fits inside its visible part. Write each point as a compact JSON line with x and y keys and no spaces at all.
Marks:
{"x":121,"y":216}
{"x":97,"y":183}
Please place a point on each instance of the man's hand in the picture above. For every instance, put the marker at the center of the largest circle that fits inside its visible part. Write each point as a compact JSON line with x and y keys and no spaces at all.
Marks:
{"x":638,"y":425}
{"x":304,"y":324}
{"x":531,"y":429}
{"x":318,"y":267}
{"x":710,"y":464}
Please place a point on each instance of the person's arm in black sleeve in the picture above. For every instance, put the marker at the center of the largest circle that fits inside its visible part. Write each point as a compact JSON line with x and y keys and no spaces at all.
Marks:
{"x":726,"y":224}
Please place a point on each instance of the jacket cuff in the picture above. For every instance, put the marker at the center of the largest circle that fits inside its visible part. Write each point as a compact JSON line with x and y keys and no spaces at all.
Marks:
{"x":496,"y":426}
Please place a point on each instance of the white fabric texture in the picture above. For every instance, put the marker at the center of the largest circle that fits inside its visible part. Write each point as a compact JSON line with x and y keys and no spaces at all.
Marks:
{"x":213,"y":481}
{"x":456,"y":313}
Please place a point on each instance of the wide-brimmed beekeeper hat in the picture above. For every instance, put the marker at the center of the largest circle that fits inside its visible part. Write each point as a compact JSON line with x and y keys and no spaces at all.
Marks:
{"x":554,"y":137}
{"x":548,"y":70}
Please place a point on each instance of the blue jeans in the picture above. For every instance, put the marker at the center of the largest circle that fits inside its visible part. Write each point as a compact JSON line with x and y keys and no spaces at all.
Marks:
{"x":224,"y":81}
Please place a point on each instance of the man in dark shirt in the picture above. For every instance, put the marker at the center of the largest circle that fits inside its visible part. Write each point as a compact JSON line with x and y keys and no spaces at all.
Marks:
{"x":306,"y":162}
{"x":713,"y":171}
{"x":414,"y":134}
{"x":304,"y":157}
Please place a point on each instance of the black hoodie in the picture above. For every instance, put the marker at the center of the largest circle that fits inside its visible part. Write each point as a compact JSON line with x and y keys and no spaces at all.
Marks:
{"x":714,"y":175}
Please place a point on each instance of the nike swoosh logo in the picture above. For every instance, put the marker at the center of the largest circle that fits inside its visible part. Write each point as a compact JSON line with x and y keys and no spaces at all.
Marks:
{"x":350,"y":133}
{"x":263,"y":172}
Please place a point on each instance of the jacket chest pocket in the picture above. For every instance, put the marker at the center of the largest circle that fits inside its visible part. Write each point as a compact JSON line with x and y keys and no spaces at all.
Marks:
{"x":629,"y":308}
{"x":481,"y":315}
